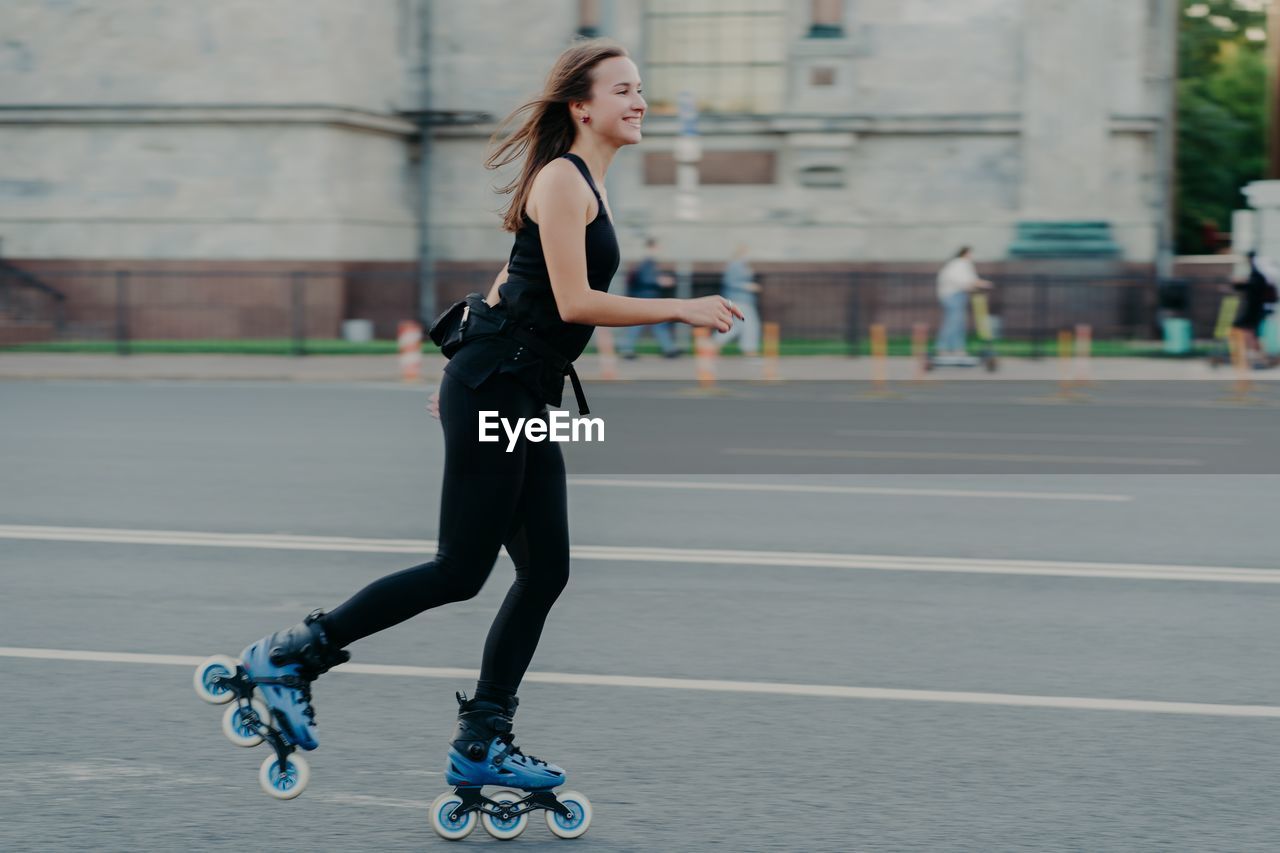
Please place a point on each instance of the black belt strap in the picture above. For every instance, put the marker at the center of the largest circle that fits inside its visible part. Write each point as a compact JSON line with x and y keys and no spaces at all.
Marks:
{"x":542,"y":348}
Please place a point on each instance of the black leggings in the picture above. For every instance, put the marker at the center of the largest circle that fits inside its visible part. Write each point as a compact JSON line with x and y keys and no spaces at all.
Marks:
{"x":490,"y":498}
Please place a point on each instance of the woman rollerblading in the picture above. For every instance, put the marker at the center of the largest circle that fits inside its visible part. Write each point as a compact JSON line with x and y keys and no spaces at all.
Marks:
{"x":509,"y":352}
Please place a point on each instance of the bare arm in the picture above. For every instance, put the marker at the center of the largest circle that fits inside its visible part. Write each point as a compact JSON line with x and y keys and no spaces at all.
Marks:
{"x":562,"y":203}
{"x":606,"y":309}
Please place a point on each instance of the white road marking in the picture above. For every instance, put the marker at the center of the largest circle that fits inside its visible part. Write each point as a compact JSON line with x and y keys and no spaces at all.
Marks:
{"x":851,"y":490}
{"x":822,"y":691}
{"x":841,"y":453}
{"x":647,"y":554}
{"x":1045,"y":436}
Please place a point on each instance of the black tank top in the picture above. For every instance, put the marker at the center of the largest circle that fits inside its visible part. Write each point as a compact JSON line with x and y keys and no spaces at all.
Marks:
{"x":527,"y":299}
{"x":527,"y":296}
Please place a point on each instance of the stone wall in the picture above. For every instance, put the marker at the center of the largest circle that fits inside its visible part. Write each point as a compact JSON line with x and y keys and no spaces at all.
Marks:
{"x":940,"y":124}
{"x":229,"y":130}
{"x":248,"y":131}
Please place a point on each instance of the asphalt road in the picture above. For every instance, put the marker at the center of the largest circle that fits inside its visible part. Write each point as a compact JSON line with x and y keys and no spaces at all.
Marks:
{"x":963,"y":565}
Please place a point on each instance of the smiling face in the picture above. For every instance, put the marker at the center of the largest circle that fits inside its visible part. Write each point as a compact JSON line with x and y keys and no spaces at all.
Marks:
{"x":617,"y":106}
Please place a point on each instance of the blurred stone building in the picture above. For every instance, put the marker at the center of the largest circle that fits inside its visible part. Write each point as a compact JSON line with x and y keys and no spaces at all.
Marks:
{"x":835,"y":134}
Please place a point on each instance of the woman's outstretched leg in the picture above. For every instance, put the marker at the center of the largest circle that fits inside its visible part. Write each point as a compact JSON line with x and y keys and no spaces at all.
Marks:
{"x":478,"y":502}
{"x":482,"y":486}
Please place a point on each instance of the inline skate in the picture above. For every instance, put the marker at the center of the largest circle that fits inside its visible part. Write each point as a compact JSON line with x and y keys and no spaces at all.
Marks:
{"x":483,"y":753}
{"x":280,"y":667}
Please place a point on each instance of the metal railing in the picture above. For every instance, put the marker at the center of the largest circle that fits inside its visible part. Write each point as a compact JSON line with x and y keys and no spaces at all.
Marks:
{"x":30,"y":309}
{"x":1031,"y":308}
{"x":298,"y":305}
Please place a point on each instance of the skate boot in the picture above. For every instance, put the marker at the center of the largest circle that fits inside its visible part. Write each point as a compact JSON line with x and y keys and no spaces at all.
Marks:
{"x":269,"y":692}
{"x":283,"y":665}
{"x":483,"y":752}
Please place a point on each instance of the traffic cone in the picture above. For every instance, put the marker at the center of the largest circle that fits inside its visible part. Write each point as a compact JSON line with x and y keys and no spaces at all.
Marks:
{"x":704,"y":357}
{"x":409,"y":338}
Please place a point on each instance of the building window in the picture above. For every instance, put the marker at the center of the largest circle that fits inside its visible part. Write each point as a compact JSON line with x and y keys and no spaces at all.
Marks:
{"x":827,"y":19}
{"x":731,"y":54}
{"x":717,"y":168}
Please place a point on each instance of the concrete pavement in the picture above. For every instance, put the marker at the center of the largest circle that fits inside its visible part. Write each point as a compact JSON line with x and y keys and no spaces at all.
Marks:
{"x":108,"y":752}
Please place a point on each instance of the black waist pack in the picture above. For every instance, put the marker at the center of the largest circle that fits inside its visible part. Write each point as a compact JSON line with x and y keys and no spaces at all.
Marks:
{"x":456,"y":324}
{"x":471,"y":317}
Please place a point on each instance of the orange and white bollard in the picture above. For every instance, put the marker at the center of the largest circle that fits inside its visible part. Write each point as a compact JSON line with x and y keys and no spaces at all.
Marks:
{"x":608,"y":353}
{"x":409,"y":338}
{"x":704,"y":357}
{"x":771,"y":338}
{"x":1084,"y":351}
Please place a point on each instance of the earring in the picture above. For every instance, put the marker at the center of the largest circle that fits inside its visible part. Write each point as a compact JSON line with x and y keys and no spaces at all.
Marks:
{"x":586,"y":119}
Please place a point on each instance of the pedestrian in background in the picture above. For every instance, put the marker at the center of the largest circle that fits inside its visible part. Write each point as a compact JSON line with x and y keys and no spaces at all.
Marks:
{"x":1256,"y":294}
{"x":739,"y":286}
{"x":648,"y":281}
{"x":956,"y":280}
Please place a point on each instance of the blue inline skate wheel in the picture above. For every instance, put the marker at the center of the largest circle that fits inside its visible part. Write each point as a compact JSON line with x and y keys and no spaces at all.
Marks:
{"x":287,"y":782}
{"x":446,"y":828}
{"x":244,"y":724}
{"x":576,"y":826}
{"x":504,"y":830}
{"x":207,"y":673}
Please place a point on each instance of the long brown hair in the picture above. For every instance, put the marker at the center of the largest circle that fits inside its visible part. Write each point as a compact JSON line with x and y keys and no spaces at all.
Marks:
{"x":547,"y":132}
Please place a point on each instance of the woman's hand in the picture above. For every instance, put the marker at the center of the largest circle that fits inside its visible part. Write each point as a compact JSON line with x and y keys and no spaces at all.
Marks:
{"x":714,"y":312}
{"x":433,"y":405}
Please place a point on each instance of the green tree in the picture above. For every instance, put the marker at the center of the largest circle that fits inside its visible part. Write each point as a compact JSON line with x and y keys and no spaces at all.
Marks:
{"x":1222,"y":114}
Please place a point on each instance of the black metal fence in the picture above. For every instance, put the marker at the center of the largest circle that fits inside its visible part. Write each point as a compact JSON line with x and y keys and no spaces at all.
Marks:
{"x":30,"y":310}
{"x":1030,"y":308}
{"x":298,"y":305}
{"x":129,"y":305}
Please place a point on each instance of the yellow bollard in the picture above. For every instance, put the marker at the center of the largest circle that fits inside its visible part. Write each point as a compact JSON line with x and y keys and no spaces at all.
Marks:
{"x":880,"y":364}
{"x":1066,"y":347}
{"x":920,"y":350}
{"x":771,"y":338}
{"x":879,"y":356}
